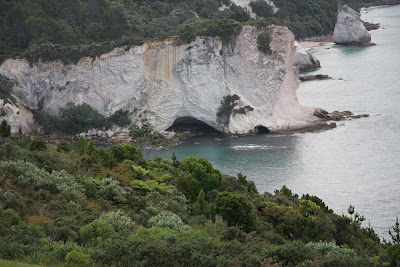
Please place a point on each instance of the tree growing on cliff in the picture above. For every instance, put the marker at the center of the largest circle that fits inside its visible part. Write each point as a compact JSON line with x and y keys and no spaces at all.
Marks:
{"x":229,"y":107}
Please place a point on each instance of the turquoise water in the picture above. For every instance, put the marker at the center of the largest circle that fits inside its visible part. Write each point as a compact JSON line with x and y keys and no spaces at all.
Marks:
{"x":356,"y":163}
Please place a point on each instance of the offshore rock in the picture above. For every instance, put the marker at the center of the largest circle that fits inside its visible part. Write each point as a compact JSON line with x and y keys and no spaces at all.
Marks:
{"x":349,"y":29}
{"x":163,"y":81}
{"x":304,"y":59}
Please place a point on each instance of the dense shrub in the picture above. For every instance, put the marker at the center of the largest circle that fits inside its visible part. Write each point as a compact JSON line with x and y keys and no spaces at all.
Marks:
{"x":263,"y":41}
{"x":236,"y":210}
{"x":27,"y":174}
{"x":199,"y":175}
{"x":127,"y":152}
{"x":119,"y":220}
{"x":5,"y":129}
{"x":38,"y":144}
{"x":187,"y":33}
{"x":63,"y":146}
{"x":97,"y":230}
{"x":78,"y":258}
{"x":167,"y":219}
{"x":74,"y":119}
{"x":105,"y":188}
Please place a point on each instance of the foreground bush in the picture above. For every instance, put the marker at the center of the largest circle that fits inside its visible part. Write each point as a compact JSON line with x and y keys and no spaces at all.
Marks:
{"x":71,"y":207}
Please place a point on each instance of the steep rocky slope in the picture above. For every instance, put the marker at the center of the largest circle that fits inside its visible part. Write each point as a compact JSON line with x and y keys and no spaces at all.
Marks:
{"x":164,"y":81}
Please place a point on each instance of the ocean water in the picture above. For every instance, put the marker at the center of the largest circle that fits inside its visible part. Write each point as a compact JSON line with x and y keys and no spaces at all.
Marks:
{"x":356,"y":163}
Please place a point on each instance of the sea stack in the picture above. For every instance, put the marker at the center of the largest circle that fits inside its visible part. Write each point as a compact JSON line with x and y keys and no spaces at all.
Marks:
{"x":349,"y":29}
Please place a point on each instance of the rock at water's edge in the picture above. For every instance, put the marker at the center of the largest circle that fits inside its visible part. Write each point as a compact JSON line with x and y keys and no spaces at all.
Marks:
{"x":304,"y":59}
{"x":349,"y":29}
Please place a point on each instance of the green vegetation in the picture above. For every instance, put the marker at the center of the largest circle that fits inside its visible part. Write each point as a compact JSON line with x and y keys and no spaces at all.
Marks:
{"x":263,"y":41}
{"x":146,"y":134}
{"x":5,"y":263}
{"x":111,"y":207}
{"x":6,"y":86}
{"x":71,"y":29}
{"x":5,"y":129}
{"x":74,"y":119}
{"x":229,"y":107}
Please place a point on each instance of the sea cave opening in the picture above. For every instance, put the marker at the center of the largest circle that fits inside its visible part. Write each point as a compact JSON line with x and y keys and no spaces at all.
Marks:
{"x":192,"y":125}
{"x":261,"y":130}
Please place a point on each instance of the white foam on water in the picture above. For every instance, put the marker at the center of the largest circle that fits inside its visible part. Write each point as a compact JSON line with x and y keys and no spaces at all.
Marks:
{"x":258,"y":147}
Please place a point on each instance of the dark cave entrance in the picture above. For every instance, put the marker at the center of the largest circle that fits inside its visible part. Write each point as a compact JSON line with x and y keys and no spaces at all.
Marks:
{"x":261,"y":130}
{"x":192,"y":125}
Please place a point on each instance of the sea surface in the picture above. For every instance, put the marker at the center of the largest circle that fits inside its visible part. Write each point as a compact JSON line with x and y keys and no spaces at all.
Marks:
{"x":356,"y":163}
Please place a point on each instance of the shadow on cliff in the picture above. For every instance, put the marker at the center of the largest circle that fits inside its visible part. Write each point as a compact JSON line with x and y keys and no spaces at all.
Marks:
{"x":194,"y":126}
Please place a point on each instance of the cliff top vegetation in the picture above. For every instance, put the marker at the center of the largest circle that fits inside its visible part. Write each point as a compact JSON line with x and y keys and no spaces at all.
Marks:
{"x":71,"y":29}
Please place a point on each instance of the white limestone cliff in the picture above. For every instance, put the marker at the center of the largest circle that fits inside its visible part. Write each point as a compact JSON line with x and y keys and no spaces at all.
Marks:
{"x":304,"y":59}
{"x":349,"y":28}
{"x":164,"y":81}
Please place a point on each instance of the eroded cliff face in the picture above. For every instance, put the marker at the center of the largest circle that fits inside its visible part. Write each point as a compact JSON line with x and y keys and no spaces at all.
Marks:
{"x":164,"y":81}
{"x":349,"y":28}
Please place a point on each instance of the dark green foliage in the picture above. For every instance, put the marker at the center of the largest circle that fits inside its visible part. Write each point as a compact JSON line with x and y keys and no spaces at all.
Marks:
{"x":63,"y":146}
{"x":200,"y":175}
{"x":229,"y":107}
{"x":236,"y":210}
{"x":222,"y":28}
{"x":70,"y":30}
{"x":200,"y":206}
{"x":127,"y":152}
{"x":120,"y":118}
{"x":395,"y":232}
{"x":187,"y":33}
{"x":394,"y":255}
{"x":146,"y":134}
{"x":6,"y":86}
{"x":77,"y":119}
{"x":317,"y":201}
{"x":80,"y":145}
{"x":5,"y":129}
{"x":74,"y":119}
{"x":239,"y":13}
{"x":8,"y":218}
{"x":263,"y":41}
{"x":262,"y":8}
{"x":38,"y":144}
{"x":96,"y":231}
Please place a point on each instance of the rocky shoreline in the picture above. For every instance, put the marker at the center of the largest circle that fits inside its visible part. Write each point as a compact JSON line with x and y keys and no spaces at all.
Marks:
{"x":317,"y":77}
{"x":324,"y":121}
